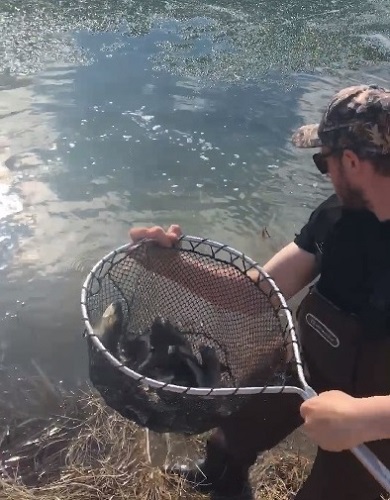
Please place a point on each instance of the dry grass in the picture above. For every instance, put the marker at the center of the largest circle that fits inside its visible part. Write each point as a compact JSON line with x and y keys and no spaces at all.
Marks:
{"x":279,"y":475}
{"x":85,"y":451}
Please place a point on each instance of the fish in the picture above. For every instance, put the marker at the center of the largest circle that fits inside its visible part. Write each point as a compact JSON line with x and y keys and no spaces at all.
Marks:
{"x":129,"y":349}
{"x":161,"y":352}
{"x":183,"y":366}
{"x":110,"y":327}
{"x":208,"y":372}
{"x":211,"y":366}
{"x":171,"y":359}
{"x":164,"y":334}
{"x":135,"y":349}
{"x":162,"y":337}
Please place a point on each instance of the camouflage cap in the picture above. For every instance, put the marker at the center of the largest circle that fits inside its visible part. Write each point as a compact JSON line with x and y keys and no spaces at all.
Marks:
{"x":357,"y":117}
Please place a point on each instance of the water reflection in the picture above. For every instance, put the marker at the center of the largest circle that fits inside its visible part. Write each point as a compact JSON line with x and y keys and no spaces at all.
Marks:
{"x":125,"y":113}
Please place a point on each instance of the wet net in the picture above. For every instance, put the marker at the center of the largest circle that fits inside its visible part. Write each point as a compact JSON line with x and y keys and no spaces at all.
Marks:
{"x":207,"y":293}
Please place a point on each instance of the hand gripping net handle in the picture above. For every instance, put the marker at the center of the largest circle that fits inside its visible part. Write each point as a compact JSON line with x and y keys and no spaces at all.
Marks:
{"x":378,"y":470}
{"x":367,"y":458}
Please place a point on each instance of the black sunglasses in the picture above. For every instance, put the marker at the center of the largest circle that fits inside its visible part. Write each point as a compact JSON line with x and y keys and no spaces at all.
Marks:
{"x":322,"y":165}
{"x":320,"y":161}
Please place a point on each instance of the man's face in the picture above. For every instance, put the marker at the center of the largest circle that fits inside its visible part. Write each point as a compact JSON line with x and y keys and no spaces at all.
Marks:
{"x":346,"y":187}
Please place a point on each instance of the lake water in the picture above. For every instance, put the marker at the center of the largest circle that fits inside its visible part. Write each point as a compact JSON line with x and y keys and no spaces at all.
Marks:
{"x":117,"y":113}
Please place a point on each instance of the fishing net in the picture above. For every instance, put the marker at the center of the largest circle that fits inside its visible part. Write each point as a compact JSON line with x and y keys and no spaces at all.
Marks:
{"x":204,"y":289}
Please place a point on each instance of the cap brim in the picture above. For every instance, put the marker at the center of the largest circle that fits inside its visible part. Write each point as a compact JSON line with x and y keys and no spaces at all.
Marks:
{"x":306,"y":137}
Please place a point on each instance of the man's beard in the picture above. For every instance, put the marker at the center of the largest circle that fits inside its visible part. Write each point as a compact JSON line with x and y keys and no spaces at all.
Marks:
{"x":351,"y":197}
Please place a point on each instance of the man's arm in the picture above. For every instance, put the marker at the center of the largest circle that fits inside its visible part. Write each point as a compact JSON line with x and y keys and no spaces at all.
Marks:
{"x":292,"y":268}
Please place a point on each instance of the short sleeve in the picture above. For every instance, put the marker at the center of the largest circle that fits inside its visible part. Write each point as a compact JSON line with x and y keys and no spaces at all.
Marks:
{"x":320,"y":223}
{"x":305,"y":239}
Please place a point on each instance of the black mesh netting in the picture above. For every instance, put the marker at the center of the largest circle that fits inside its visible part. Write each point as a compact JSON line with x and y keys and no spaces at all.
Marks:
{"x":204,"y":291}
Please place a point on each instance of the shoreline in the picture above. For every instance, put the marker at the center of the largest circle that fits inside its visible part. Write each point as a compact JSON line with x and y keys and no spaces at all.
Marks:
{"x":70,"y":445}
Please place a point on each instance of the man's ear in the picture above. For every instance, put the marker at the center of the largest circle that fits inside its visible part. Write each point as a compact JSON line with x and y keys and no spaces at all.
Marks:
{"x":352,"y":162}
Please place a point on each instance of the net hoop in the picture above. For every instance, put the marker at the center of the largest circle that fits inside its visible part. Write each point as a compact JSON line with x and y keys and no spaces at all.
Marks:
{"x":196,"y":391}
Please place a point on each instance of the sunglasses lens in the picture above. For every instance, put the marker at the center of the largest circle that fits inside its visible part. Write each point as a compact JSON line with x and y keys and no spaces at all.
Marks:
{"x":320,"y":163}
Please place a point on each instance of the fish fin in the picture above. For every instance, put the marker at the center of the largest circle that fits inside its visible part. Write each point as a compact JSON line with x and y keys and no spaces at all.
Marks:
{"x":164,"y":333}
{"x":147,"y":364}
{"x":167,"y":379}
{"x":195,"y":367}
{"x":137,"y":348}
{"x":180,"y":365}
{"x":211,"y":366}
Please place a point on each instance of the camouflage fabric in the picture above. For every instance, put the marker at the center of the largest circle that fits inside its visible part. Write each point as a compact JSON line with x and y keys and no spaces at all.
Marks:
{"x":357,"y":117}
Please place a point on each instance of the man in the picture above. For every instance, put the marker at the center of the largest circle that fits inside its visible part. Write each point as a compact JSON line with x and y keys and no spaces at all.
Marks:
{"x":346,"y":242}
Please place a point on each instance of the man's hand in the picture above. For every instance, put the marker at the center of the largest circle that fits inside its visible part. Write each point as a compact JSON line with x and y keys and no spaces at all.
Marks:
{"x":164,"y":238}
{"x":334,"y":420}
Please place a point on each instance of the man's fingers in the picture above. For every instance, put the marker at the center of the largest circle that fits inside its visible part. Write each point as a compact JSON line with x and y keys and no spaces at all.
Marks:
{"x":156,"y":233}
{"x":175,"y":229}
{"x":304,"y":409}
{"x":137,"y":233}
{"x":174,"y":232}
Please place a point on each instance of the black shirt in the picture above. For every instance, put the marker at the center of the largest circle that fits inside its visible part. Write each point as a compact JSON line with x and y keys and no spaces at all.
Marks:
{"x":353,"y":252}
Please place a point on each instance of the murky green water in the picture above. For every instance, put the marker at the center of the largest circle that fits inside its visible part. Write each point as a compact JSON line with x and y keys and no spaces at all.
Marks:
{"x":115,"y":113}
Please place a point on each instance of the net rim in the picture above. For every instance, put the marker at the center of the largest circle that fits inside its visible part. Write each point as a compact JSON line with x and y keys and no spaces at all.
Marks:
{"x":196,"y":391}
